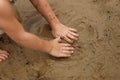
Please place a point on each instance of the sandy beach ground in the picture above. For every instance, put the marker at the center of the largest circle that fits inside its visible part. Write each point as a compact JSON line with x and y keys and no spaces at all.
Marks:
{"x":97,"y":54}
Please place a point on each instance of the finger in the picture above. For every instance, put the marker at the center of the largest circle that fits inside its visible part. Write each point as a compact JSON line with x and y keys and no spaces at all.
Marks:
{"x":72,"y":37}
{"x":73,"y":30}
{"x":68,"y":48}
{"x":74,"y":34}
{"x":67,"y":52}
{"x":1,"y":57}
{"x":68,"y":40}
{"x":65,"y":45}
{"x":4,"y":55}
{"x":5,"y":52}
{"x":65,"y":55}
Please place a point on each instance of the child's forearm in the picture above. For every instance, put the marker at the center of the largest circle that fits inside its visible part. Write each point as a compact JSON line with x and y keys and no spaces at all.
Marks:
{"x":14,"y":29}
{"x":44,"y":8}
{"x":16,"y":32}
{"x":31,"y":41}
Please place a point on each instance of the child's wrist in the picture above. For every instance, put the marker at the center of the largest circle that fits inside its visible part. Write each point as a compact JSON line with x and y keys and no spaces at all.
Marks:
{"x":48,"y":47}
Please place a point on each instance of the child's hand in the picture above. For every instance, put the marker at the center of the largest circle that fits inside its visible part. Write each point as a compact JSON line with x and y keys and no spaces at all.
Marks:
{"x":60,"y":49}
{"x":66,"y":33}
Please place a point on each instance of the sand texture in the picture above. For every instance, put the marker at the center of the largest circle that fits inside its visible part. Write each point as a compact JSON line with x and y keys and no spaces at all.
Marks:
{"x":97,"y":54}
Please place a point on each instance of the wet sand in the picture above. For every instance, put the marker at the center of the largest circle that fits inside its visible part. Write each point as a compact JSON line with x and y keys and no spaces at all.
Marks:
{"x":97,"y":54}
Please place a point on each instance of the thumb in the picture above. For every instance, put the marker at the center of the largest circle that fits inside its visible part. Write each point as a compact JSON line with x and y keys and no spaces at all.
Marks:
{"x":58,"y":39}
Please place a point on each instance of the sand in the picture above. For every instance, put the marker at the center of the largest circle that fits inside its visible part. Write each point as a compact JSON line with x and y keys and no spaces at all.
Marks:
{"x":97,"y":54}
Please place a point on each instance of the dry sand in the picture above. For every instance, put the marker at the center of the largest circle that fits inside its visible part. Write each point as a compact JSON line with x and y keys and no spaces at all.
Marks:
{"x":97,"y":54}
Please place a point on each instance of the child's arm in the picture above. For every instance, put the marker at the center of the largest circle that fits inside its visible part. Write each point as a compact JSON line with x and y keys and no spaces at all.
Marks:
{"x":14,"y":29}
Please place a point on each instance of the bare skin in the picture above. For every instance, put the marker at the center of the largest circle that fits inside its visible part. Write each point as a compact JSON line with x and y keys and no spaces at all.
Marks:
{"x":68,"y":34}
{"x":11,"y":26}
{"x":3,"y":55}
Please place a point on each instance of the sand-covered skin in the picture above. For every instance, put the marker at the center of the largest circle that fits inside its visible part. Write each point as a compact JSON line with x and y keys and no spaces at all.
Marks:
{"x":97,"y":54}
